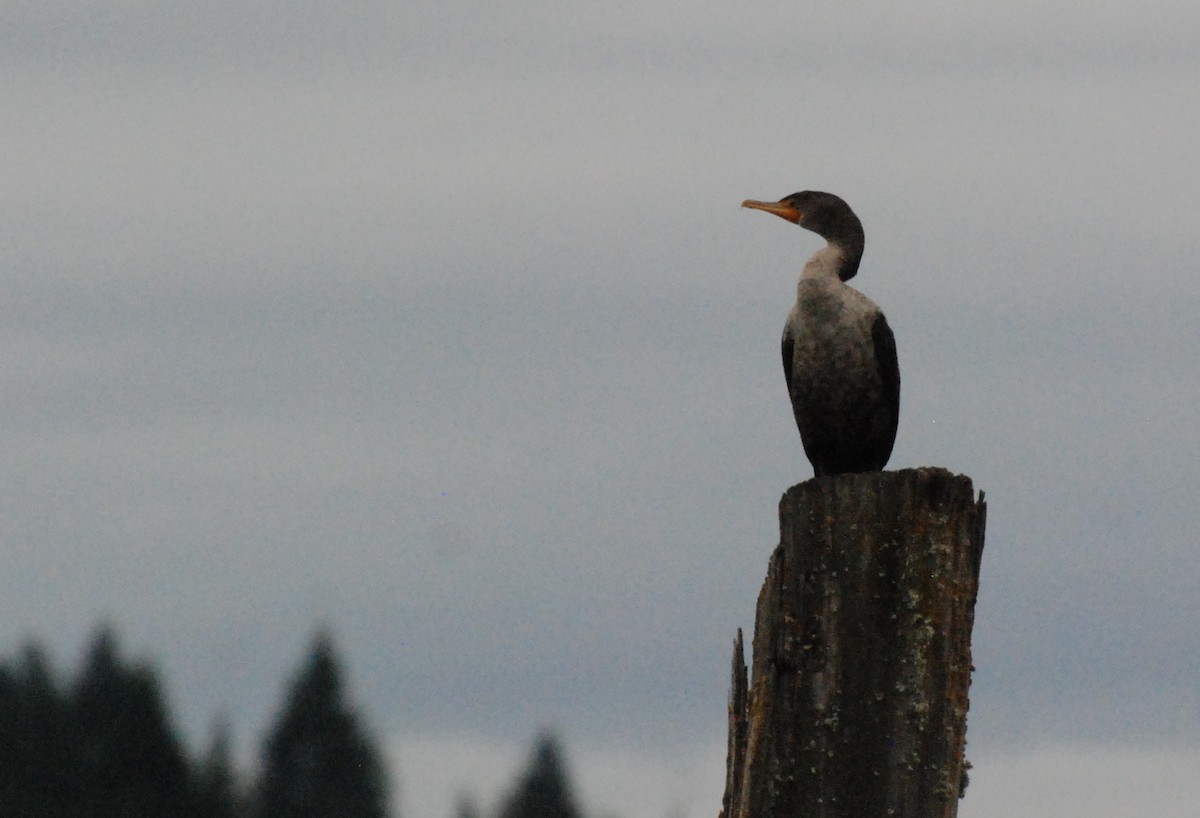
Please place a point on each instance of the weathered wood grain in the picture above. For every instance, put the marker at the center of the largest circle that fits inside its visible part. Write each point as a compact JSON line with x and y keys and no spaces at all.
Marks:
{"x":857,"y":699}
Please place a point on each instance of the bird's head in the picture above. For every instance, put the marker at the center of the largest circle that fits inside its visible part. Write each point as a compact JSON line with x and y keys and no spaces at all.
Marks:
{"x":826,"y":215}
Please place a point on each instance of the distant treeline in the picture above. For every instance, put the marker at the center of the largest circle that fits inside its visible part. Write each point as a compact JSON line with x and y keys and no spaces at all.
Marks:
{"x":103,"y":746}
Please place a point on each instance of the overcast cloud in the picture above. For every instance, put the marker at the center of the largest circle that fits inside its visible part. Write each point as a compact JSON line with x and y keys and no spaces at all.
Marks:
{"x":440,"y":325}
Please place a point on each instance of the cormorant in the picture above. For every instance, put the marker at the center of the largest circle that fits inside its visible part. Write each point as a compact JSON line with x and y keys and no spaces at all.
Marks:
{"x":839,"y":355}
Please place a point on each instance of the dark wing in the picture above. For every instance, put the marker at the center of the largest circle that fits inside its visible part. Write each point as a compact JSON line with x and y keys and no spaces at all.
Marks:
{"x":788,"y":347}
{"x":889,"y":366}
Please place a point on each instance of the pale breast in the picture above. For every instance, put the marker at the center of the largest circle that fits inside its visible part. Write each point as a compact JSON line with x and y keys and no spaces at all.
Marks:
{"x":830,"y":326}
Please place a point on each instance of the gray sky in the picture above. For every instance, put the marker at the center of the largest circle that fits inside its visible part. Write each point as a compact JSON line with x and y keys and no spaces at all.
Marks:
{"x":440,"y":325}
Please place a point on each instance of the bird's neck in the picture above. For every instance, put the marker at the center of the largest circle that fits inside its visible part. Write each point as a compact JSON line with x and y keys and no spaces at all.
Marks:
{"x":837,"y":261}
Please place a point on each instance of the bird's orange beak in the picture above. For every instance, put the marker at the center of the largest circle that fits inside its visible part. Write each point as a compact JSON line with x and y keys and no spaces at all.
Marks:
{"x":781,"y":209}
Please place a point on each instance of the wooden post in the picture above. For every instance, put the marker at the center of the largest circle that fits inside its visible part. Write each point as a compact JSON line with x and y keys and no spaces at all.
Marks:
{"x":857,"y":703}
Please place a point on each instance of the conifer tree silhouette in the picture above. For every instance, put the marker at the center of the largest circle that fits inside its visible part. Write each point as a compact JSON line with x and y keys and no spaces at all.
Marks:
{"x":317,"y":762}
{"x":543,"y":790}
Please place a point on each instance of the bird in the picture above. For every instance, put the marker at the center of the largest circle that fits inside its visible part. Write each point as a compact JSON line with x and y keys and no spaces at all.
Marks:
{"x":839,"y":354}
